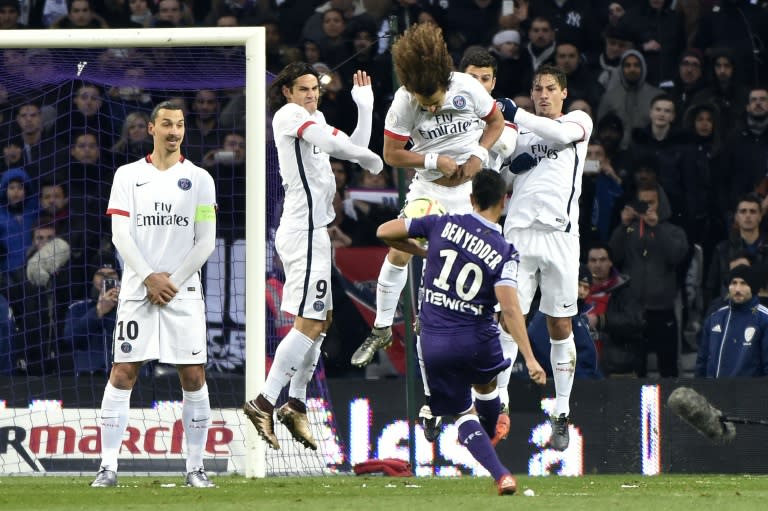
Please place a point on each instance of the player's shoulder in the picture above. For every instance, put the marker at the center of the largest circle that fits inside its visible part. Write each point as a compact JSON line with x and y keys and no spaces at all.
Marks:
{"x":290,"y":114}
{"x":132,"y":169}
{"x":579,"y":116}
{"x":195,"y":170}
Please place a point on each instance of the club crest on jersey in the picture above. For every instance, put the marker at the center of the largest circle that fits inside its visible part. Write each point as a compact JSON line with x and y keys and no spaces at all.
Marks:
{"x":184,"y":183}
{"x":459,"y":102}
{"x":318,"y":305}
{"x":126,"y":347}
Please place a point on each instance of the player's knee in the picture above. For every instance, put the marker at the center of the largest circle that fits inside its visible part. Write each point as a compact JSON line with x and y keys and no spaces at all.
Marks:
{"x":192,"y":377}
{"x":397,"y":257}
{"x":485,"y":388}
{"x":124,"y":375}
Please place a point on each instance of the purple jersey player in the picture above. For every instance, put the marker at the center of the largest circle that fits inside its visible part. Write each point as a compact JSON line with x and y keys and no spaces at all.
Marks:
{"x":469,"y":268}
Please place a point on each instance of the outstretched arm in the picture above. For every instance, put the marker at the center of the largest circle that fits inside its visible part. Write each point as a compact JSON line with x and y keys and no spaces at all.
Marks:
{"x":338,"y":145}
{"x":550,"y":129}
{"x":362,"y":94}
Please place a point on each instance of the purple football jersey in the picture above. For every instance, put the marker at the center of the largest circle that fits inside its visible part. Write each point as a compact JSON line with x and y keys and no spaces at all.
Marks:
{"x":467,"y":257}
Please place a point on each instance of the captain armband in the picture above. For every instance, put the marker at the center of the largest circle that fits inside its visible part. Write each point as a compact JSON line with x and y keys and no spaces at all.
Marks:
{"x":205,"y":213}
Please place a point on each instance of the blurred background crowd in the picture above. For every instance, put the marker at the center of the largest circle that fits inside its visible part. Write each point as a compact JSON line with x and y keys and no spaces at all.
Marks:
{"x":676,"y":89}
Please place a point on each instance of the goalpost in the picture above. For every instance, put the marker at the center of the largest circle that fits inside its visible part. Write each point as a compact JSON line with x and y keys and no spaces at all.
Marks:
{"x":253,"y":40}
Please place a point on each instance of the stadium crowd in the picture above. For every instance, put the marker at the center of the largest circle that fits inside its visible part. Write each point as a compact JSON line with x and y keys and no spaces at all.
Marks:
{"x":674,"y":192}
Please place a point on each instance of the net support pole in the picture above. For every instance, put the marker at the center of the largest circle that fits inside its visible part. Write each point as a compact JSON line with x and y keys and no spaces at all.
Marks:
{"x":255,"y":210}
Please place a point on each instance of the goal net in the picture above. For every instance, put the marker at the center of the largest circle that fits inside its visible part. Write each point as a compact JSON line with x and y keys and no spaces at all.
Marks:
{"x":73,"y":106}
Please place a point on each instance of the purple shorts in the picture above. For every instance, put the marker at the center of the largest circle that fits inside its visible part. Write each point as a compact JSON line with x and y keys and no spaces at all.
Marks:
{"x":454,"y":360}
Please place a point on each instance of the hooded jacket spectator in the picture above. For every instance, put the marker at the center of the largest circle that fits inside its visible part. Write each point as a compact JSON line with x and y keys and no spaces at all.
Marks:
{"x":631,"y":100}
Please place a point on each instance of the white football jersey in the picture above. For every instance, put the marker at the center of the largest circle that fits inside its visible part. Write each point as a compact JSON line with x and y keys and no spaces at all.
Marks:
{"x":161,"y":206}
{"x":453,"y":131}
{"x":306,"y":172}
{"x":548,"y":194}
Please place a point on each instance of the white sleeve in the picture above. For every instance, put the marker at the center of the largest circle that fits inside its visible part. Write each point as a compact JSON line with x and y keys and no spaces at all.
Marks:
{"x":567,"y":129}
{"x":363,"y":97}
{"x":126,"y":246}
{"x":205,"y":235}
{"x":205,"y":242}
{"x":338,"y":145}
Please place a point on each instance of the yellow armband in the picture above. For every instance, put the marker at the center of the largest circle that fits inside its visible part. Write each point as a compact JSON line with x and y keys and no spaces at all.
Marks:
{"x":205,"y":213}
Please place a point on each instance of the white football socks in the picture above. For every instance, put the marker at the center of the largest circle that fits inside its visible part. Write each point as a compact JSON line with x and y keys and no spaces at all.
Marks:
{"x":392,"y":280}
{"x":300,"y":380}
{"x":114,"y":420}
{"x":196,"y":417}
{"x":562,"y":355}
{"x":289,"y":357}
{"x":509,"y":348}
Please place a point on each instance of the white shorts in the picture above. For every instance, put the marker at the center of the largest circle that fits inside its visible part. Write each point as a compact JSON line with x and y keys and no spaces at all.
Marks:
{"x":549,"y":260}
{"x":455,"y":199}
{"x":306,"y":258}
{"x":173,"y":334}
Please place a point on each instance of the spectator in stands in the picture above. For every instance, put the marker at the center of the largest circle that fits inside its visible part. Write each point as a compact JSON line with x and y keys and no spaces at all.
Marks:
{"x":573,"y":21}
{"x":352,"y":13}
{"x":738,"y":25}
{"x":130,"y":95}
{"x":90,"y":322}
{"x":334,"y":43}
{"x":661,"y":37}
{"x":12,"y":155}
{"x":202,"y":133}
{"x":688,"y":82}
{"x":172,"y":13}
{"x":360,"y":218}
{"x":600,"y":189}
{"x":515,"y":68}
{"x":18,"y":212}
{"x":734,"y":339}
{"x":649,"y":249}
{"x":631,"y":99}
{"x":541,"y":42}
{"x":610,"y":132}
{"x":80,"y":14}
{"x":607,"y":64}
{"x":227,"y":166}
{"x":127,"y":13}
{"x":336,"y":102}
{"x":9,"y":20}
{"x":726,"y":90}
{"x":39,"y":149}
{"x":88,"y":111}
{"x":745,"y":237}
{"x":83,"y":230}
{"x":89,"y":179}
{"x":46,"y":297}
{"x":701,"y":159}
{"x":135,"y":141}
{"x":582,"y":84}
{"x":659,"y":140}
{"x":586,"y":353}
{"x":615,"y":315}
{"x":736,"y":259}
{"x":244,"y":12}
{"x":746,"y":150}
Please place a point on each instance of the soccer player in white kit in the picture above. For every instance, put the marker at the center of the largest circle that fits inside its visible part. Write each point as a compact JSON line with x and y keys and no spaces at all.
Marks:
{"x":163,"y":210}
{"x":452,"y":121}
{"x":304,"y":146}
{"x":543,"y":221}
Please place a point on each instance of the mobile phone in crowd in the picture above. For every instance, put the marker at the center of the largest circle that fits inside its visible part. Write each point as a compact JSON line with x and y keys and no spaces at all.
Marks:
{"x":107,"y":284}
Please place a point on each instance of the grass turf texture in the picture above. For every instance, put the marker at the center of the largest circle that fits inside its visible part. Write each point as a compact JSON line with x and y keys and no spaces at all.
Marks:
{"x":590,"y":493}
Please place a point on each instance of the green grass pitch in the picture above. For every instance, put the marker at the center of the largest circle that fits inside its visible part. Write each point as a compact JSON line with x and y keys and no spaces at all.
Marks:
{"x":590,"y":493}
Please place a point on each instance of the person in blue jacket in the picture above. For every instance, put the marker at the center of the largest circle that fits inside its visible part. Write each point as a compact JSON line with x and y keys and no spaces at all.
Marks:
{"x":89,"y":323}
{"x":734,"y":339}
{"x":586,"y":354}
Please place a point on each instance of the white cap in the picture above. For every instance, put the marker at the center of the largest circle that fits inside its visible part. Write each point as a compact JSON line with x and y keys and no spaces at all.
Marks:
{"x":506,"y":36}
